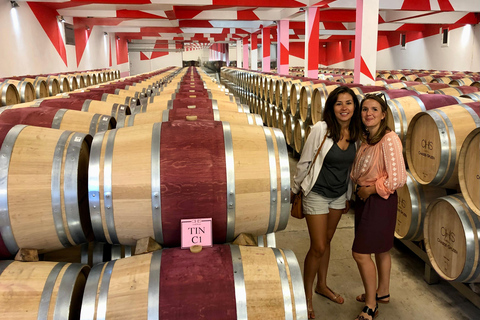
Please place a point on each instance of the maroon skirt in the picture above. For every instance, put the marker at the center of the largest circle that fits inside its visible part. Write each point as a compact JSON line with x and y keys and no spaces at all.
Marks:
{"x":375,"y":221}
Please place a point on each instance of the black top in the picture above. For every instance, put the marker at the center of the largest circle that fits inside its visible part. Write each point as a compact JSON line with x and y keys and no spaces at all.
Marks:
{"x":333,"y":177}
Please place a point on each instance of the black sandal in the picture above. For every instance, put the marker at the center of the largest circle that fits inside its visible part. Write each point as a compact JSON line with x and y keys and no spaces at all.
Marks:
{"x":380,"y":299}
{"x":361,"y":298}
{"x":369,"y":312}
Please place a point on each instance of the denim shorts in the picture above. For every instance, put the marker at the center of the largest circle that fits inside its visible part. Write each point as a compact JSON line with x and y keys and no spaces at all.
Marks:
{"x":317,"y":204}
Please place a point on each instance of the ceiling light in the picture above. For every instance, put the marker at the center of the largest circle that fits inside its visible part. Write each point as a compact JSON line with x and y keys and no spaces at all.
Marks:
{"x":14,"y":4}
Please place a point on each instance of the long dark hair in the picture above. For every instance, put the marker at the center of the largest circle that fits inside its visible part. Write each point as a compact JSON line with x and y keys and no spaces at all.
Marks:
{"x":334,"y":129}
{"x":383,"y":129}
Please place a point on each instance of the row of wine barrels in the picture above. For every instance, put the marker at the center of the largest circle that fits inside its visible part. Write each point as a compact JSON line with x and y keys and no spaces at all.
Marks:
{"x":41,"y":290}
{"x":43,"y":188}
{"x":227,"y":282}
{"x":434,"y":140}
{"x":76,"y":154}
{"x":252,"y":197}
{"x":62,"y":119}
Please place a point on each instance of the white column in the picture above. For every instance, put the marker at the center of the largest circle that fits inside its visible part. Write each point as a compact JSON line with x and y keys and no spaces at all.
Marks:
{"x":366,"y":34}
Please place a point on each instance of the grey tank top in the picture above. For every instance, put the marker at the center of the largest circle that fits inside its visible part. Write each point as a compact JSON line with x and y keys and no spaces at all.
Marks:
{"x":332,"y":179}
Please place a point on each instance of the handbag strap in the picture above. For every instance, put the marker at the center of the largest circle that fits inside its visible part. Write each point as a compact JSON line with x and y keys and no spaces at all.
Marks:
{"x":318,"y":151}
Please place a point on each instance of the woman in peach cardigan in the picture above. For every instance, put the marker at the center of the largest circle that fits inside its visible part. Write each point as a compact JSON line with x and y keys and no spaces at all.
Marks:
{"x":378,"y":170}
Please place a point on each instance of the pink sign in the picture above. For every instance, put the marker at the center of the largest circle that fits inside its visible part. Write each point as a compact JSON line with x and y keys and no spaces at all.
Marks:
{"x":196,"y":232}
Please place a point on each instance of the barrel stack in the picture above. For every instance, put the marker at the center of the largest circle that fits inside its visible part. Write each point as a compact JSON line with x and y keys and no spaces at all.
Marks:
{"x":172,"y":145}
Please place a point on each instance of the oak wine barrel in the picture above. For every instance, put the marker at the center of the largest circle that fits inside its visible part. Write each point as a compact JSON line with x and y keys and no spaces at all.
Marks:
{"x":90,"y":253}
{"x":318,"y":102}
{"x":299,"y":135}
{"x":286,"y":88}
{"x":475,"y":96}
{"x":8,"y":94}
{"x":451,"y":232}
{"x":413,"y":200}
{"x":275,"y":116}
{"x":410,"y":77}
{"x":41,"y":290}
{"x":457,"y":91}
{"x":469,"y":170}
{"x":402,"y":110}
{"x":425,"y":79}
{"x":219,"y":282}
{"x":434,"y":139}
{"x":115,"y":110}
{"x":289,"y":129}
{"x":62,"y":119}
{"x":43,"y":188}
{"x":146,"y":178}
{"x":461,"y":82}
{"x":281,"y":120}
{"x":64,"y":83}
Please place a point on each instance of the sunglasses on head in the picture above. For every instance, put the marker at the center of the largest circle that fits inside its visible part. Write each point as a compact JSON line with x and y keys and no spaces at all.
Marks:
{"x":381,"y":95}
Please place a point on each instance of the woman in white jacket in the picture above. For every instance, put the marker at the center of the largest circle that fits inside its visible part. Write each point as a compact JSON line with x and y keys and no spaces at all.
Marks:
{"x":326,"y":186}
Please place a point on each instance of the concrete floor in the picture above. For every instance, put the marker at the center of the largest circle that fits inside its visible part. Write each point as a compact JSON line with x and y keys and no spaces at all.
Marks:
{"x":411,"y":296}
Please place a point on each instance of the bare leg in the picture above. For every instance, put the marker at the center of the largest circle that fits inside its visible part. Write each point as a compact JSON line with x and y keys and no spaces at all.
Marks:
{"x":369,"y":278}
{"x":334,"y":216}
{"x":317,"y":228}
{"x":384,"y":265}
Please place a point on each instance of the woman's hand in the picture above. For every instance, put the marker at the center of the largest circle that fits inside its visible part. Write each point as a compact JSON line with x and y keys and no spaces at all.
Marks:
{"x":347,"y":207}
{"x":364,"y":192}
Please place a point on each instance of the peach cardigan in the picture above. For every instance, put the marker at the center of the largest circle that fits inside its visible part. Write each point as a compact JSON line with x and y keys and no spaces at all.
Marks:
{"x":381,"y":164}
